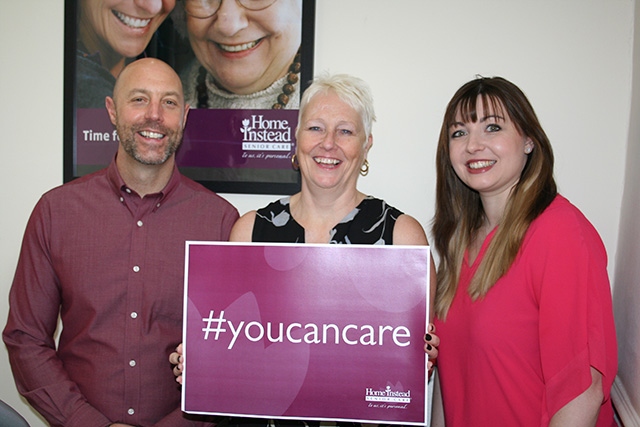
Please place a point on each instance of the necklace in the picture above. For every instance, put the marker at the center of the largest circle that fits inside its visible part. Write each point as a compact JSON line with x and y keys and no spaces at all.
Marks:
{"x":283,"y":98}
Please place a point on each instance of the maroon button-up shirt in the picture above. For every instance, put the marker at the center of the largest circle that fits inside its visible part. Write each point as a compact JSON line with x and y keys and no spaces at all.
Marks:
{"x":111,"y":264}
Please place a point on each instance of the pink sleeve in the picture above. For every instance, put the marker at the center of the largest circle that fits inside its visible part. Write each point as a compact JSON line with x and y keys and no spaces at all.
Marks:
{"x":576,"y":317}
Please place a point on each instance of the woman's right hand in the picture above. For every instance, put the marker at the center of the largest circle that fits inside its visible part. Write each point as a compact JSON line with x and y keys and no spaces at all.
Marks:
{"x":177,"y":359}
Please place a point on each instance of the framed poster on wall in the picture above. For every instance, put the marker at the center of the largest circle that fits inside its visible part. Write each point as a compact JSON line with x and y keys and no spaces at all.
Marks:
{"x":243,"y":64}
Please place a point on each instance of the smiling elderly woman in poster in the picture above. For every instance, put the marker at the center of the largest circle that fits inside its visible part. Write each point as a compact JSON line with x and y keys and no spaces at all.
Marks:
{"x":247,"y":53}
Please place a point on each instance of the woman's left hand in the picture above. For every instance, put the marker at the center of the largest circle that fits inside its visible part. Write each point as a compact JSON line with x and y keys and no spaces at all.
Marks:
{"x":431,"y":343}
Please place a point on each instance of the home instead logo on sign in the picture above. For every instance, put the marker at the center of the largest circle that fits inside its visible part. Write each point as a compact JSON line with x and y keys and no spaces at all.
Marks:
{"x":265,"y":135}
{"x":387,"y":396}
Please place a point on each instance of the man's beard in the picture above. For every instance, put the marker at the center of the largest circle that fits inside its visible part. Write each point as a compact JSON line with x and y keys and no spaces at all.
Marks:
{"x":127,"y":139}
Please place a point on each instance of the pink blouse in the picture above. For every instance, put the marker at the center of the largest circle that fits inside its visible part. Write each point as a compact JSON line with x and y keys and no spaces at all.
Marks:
{"x":521,"y":353}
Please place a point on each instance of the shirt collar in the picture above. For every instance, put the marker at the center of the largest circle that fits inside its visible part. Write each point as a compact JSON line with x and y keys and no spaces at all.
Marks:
{"x":120,"y":187}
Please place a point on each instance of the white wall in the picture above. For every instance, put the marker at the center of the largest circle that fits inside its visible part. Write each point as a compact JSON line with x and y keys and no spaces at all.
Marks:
{"x":572,"y":57}
{"x":626,"y":295}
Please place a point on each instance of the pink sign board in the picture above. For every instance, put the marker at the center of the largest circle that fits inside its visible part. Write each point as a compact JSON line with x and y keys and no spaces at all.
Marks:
{"x":308,"y":332}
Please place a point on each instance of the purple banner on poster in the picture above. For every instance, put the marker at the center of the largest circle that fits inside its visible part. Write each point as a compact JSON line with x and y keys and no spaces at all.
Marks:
{"x":310,"y":332}
{"x":256,"y":139}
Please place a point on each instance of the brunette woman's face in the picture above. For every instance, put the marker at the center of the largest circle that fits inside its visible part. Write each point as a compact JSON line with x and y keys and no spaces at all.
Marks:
{"x":488,"y":155}
{"x":244,"y":50}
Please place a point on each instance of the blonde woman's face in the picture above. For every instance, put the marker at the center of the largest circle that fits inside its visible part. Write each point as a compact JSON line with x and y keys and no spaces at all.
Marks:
{"x":332,"y":143}
{"x":246,"y":51}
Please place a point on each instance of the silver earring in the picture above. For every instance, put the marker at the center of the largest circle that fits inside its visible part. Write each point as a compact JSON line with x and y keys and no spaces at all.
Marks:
{"x":528,"y":150}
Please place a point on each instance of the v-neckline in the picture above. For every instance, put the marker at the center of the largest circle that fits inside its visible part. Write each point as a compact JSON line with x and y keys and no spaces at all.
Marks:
{"x":481,"y":251}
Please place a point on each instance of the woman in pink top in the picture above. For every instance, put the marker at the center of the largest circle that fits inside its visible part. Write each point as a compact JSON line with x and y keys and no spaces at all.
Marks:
{"x":523,"y":303}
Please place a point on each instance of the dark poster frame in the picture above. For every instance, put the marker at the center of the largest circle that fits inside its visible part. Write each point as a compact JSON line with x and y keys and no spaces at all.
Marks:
{"x":277,"y":178}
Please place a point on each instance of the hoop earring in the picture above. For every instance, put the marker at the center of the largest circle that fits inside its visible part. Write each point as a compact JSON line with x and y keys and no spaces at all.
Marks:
{"x":364,"y":169}
{"x":294,"y":162}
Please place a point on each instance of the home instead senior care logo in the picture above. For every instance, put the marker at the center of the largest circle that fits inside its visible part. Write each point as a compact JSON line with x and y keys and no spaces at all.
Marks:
{"x":387,"y":398}
{"x":260,"y":134}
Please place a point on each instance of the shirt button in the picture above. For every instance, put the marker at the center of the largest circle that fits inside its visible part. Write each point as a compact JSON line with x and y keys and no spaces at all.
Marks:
{"x":121,"y":199}
{"x":139,"y":223}
{"x":134,"y":315}
{"x":158,"y":205}
{"x":130,"y":411}
{"x":128,"y":190}
{"x":136,"y":268}
{"x":132,"y":363}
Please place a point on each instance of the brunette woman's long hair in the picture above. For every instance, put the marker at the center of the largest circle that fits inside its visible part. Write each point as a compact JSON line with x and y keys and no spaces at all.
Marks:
{"x":459,"y":212}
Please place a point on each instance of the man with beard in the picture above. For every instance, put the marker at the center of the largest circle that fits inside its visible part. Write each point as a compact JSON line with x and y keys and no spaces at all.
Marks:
{"x":105,"y":253}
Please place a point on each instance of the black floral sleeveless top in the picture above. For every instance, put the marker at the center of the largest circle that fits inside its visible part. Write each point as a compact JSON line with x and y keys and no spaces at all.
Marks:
{"x":370,"y":223}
